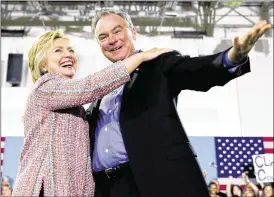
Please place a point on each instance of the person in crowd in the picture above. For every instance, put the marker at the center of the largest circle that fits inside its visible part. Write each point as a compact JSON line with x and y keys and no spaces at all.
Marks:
{"x":213,"y":190}
{"x":234,"y":191}
{"x":55,"y":159}
{"x":5,"y":180}
{"x":250,"y":188}
{"x":6,"y":190}
{"x":267,"y":190}
{"x":216,"y":182}
{"x":219,"y":193}
{"x":139,"y":146}
{"x":249,"y":193}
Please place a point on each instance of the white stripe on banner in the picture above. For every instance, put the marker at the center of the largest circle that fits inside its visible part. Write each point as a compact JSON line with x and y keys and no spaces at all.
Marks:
{"x":235,"y":181}
{"x":2,"y":144}
{"x":268,"y":144}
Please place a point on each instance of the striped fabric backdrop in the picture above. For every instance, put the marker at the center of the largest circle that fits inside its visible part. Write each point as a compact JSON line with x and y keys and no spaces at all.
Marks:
{"x":268,"y":144}
{"x":2,"y":152}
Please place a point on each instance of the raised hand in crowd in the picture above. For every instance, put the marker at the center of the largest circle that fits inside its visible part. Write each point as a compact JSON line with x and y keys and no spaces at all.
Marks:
{"x":250,"y":188}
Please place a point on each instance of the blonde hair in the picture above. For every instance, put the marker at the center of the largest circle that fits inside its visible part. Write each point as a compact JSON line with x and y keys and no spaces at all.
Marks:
{"x":37,"y":55}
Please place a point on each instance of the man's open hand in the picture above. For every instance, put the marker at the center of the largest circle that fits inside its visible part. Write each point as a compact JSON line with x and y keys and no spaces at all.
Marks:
{"x":242,"y":46}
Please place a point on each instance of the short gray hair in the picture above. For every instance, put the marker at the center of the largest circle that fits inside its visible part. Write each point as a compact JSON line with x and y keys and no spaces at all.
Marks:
{"x":6,"y":178}
{"x":123,"y":14}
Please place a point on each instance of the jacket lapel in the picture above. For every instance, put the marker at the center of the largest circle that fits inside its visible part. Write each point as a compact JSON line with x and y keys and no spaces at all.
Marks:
{"x":93,"y":106}
{"x":92,"y":115}
{"x":133,"y":77}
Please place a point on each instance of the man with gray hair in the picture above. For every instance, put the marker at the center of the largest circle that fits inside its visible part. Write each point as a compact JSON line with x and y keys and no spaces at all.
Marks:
{"x":6,"y":180}
{"x":138,"y":144}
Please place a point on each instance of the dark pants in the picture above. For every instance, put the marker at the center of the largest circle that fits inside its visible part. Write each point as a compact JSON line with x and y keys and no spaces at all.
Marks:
{"x":123,"y":185}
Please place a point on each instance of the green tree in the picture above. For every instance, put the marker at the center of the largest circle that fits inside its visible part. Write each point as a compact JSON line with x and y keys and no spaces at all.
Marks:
{"x":234,"y":3}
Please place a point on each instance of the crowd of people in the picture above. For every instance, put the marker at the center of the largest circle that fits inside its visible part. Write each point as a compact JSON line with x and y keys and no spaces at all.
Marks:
{"x":250,"y":189}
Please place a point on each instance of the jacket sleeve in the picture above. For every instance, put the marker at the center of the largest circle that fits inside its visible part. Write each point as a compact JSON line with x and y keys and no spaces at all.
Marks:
{"x":54,"y":92}
{"x":198,"y":73}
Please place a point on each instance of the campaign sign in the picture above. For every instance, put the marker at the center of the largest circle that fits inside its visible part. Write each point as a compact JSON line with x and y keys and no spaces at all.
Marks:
{"x":263,"y":166}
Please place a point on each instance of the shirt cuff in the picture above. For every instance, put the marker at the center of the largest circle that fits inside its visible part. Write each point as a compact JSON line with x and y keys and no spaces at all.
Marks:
{"x":227,"y":63}
{"x":232,"y":67}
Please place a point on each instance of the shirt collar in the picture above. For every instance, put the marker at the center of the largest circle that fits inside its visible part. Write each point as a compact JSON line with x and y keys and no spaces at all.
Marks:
{"x":136,"y":51}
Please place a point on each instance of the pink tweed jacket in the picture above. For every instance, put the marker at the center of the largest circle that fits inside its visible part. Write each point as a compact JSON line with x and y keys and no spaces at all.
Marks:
{"x":56,"y":153}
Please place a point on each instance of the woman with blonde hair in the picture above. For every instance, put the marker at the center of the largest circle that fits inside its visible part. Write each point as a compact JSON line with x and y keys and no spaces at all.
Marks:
{"x":55,"y":158}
